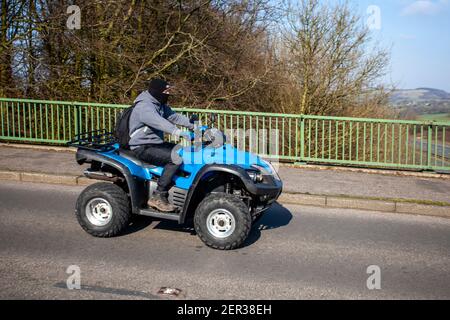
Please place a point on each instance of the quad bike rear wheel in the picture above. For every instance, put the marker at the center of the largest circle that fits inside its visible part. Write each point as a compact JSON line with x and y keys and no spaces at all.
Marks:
{"x":222,"y":221}
{"x":103,"y":210}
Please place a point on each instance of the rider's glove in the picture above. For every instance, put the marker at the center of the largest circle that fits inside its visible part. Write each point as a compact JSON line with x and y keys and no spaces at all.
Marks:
{"x":183,"y":134}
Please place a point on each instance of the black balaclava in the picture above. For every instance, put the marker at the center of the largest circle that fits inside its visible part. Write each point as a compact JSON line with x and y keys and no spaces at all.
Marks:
{"x":156,"y":88}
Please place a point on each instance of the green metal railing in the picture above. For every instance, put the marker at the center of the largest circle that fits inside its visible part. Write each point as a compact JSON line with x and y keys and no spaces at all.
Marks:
{"x":397,"y":144}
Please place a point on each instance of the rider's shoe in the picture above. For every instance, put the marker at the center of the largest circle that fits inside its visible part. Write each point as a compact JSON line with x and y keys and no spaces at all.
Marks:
{"x":160,"y":202}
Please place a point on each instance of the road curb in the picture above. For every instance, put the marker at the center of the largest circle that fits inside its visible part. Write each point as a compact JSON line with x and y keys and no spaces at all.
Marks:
{"x":10,"y":175}
{"x":402,"y":206}
{"x":36,"y":177}
{"x":365,"y":204}
{"x":48,"y":178}
{"x":378,"y":171}
{"x":37,"y":147}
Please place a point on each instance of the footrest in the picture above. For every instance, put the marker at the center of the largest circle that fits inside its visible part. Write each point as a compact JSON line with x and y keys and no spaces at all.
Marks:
{"x":161,"y":215}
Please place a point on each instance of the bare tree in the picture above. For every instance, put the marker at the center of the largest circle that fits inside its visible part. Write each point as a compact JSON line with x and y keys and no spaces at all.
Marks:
{"x":231,"y":54}
{"x":11,"y":32}
{"x":329,"y":57}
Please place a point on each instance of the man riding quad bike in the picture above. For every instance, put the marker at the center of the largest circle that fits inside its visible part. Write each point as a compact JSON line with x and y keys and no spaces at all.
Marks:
{"x":222,"y":189}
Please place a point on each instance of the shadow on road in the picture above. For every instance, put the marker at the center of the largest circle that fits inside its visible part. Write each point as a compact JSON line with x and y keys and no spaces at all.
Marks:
{"x":141,"y":222}
{"x":138,"y":223}
{"x":187,"y":227}
{"x":277,"y":216}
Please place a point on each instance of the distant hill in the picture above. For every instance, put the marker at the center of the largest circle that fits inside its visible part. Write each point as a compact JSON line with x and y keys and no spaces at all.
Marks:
{"x":419,"y":95}
{"x":421,"y":102}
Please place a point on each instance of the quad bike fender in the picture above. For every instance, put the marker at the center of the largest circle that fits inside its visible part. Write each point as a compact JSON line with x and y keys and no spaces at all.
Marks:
{"x":137,"y":187}
{"x":273,"y":190}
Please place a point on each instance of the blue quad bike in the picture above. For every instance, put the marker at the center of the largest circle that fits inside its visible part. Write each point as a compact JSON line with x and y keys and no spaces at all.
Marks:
{"x":219,"y":188}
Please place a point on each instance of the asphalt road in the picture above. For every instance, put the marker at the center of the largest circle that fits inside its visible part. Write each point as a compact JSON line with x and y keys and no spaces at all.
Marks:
{"x":439,"y":149}
{"x":294,"y":252}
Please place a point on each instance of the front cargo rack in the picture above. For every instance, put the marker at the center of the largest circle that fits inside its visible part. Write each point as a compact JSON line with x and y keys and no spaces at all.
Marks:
{"x":98,"y":140}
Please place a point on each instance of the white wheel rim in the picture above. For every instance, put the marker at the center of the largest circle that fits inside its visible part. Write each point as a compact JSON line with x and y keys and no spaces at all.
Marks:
{"x":99,"y":212}
{"x":221,"y":223}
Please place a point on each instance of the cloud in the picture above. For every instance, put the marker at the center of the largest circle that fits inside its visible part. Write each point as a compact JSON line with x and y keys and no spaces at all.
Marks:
{"x":424,"y":7}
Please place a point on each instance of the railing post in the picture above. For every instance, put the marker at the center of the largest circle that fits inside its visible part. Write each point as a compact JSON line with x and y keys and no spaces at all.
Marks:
{"x":76,"y":119}
{"x":429,"y":145}
{"x":302,"y":138}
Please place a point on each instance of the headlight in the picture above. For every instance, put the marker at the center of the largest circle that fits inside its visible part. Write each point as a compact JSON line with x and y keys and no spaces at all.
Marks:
{"x":256,"y":176}
{"x":264,"y":170}
{"x":274,"y":172}
{"x":258,"y":172}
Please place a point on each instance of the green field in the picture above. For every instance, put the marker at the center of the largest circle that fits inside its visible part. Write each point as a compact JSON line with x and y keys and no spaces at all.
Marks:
{"x":436,"y":117}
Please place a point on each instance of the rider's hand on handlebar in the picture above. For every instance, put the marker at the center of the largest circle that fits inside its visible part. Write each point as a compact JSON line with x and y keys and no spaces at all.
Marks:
{"x":183,"y":134}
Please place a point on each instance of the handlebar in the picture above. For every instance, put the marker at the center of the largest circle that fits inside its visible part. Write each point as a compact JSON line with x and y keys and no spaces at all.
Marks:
{"x":211,"y":135}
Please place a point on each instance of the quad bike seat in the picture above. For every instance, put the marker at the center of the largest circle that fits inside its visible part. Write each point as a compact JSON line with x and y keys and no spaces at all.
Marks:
{"x":128,"y":154}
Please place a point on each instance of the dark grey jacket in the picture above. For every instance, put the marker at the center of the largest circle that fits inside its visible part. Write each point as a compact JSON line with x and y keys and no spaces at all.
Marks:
{"x":151,"y":119}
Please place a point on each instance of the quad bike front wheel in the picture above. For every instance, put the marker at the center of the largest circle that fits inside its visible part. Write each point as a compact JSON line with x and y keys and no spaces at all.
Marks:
{"x":103,"y":210}
{"x":222,"y":221}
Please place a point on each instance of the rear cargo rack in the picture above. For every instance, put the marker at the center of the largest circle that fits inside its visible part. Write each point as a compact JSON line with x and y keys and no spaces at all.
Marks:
{"x":98,"y":140}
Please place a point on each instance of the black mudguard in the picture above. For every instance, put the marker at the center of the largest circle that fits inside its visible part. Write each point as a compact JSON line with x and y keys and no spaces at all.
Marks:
{"x":273,"y":190}
{"x":138,"y":188}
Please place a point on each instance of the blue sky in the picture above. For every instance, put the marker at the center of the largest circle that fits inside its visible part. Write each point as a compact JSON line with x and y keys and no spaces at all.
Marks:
{"x":418,"y":33}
